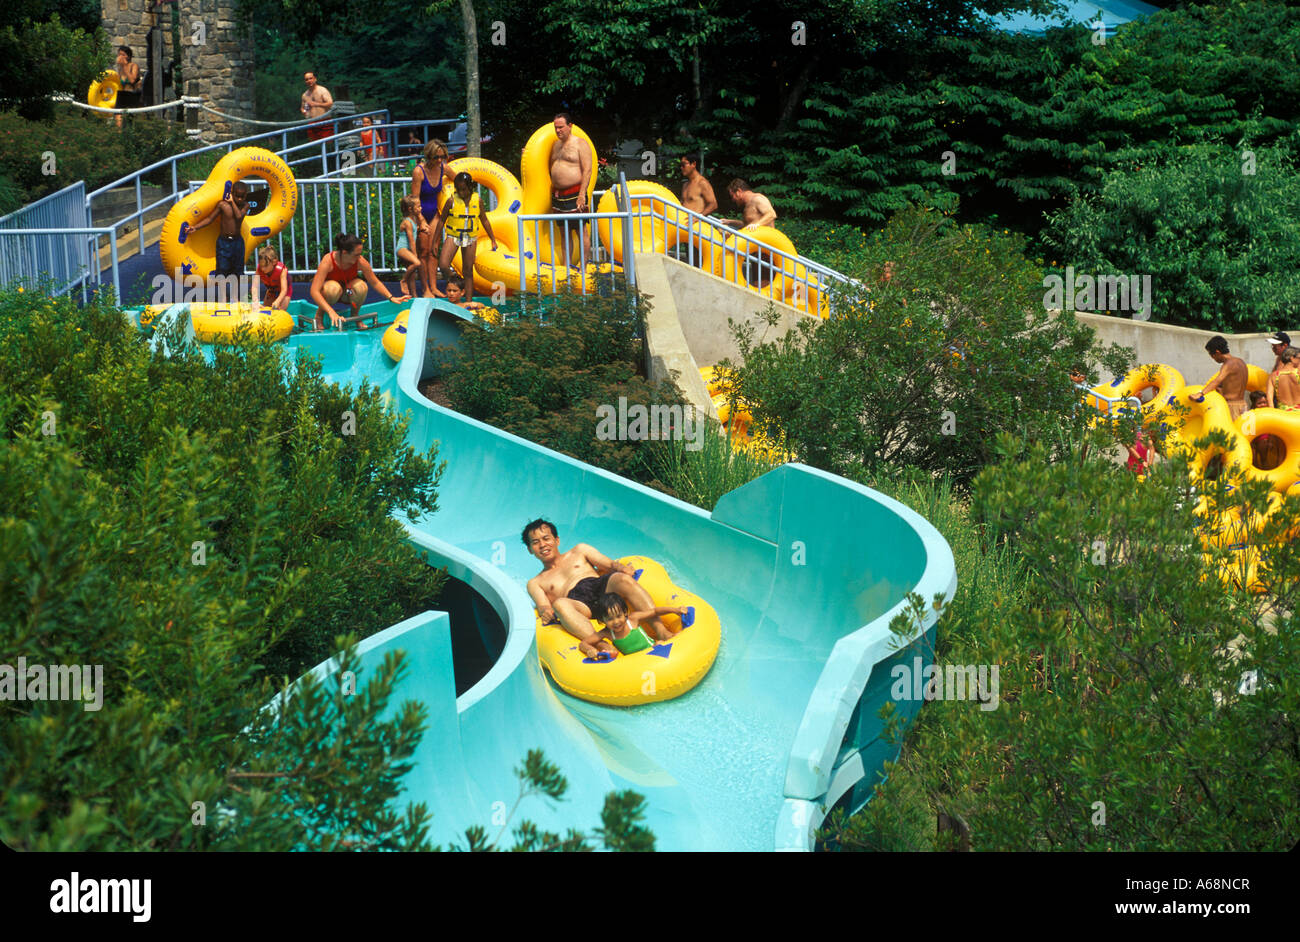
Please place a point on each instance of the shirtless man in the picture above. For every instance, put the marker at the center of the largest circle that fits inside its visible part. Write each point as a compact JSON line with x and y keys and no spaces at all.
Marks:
{"x":316,"y":100}
{"x":757,"y":210}
{"x":1279,"y":342}
{"x":568,"y":584}
{"x":230,"y":244}
{"x":697,"y":192}
{"x":1230,"y":381}
{"x":571,"y":167}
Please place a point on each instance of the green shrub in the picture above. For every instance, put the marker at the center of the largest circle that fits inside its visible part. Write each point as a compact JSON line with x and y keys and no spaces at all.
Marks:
{"x":546,"y":381}
{"x":84,"y":147}
{"x":702,"y":476}
{"x":40,"y":55}
{"x":1148,"y":701}
{"x":1219,"y":243}
{"x":922,"y":370}
{"x":332,"y":493}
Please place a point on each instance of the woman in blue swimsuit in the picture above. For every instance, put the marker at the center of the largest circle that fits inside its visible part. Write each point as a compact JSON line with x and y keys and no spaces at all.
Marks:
{"x":428,"y":191}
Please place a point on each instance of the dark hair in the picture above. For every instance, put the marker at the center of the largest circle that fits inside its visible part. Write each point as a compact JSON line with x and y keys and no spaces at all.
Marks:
{"x":459,"y":282}
{"x":239,"y":186}
{"x":568,"y":118}
{"x":464,"y":178}
{"x":343,"y":242}
{"x":692,"y":159}
{"x":537,"y":525}
{"x":611,"y":603}
{"x":1216,"y":344}
{"x":1256,"y":398}
{"x":738,"y":184}
{"x":127,"y":50}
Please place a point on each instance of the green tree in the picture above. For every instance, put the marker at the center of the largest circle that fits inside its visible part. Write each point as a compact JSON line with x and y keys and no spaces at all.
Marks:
{"x":924,"y":368}
{"x":1147,"y":699}
{"x":40,"y":56}
{"x":1214,"y":226}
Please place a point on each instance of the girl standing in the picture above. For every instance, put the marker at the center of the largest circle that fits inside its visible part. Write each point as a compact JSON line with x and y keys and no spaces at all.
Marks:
{"x":466,"y":215}
{"x":412,"y":228}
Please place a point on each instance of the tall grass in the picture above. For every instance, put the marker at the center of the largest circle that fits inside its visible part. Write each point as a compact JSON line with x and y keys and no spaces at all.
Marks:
{"x":702,"y":477}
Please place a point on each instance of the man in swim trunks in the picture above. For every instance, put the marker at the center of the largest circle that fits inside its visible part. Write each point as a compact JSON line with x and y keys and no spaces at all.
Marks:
{"x":230,"y":244}
{"x":571,"y":165}
{"x":1279,"y":342}
{"x":568,"y":585}
{"x":757,"y":208}
{"x":1230,"y":381}
{"x":697,"y":191}
{"x":316,"y":100}
{"x":697,"y":194}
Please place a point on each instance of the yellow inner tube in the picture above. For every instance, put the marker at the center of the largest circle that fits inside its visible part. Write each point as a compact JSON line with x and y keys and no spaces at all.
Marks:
{"x":103,"y":92}
{"x":185,"y":253}
{"x":215,"y":322}
{"x":668,"y":670}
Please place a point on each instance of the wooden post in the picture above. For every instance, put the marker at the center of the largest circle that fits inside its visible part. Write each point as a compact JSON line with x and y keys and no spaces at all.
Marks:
{"x":156,"y":49}
{"x":191,"y":114}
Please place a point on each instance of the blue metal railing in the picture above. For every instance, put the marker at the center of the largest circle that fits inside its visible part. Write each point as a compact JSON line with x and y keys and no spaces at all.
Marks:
{"x":28,"y":255}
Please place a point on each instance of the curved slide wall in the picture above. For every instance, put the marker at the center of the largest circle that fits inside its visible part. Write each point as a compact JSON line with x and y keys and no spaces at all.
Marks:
{"x":805,"y":569}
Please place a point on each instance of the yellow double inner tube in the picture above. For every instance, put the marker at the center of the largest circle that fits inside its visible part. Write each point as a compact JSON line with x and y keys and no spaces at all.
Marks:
{"x":186,"y":253}
{"x":667,"y":670}
{"x":214,"y":322}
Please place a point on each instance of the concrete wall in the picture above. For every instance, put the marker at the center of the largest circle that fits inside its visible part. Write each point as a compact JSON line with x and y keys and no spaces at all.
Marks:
{"x":705,"y":303}
{"x":668,"y":356}
{"x":1183,"y":348}
{"x":221,"y":67}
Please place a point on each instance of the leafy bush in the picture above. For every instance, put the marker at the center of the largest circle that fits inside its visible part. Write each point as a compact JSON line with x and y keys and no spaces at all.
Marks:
{"x":85,"y":147}
{"x":266,"y":444}
{"x":40,"y":55}
{"x":1147,"y":700}
{"x":925,"y":368}
{"x":545,"y":381}
{"x":1219,"y":242}
{"x":701,"y":477}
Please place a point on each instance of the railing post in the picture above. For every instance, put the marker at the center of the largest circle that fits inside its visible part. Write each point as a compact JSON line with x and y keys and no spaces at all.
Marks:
{"x":629,"y":251}
{"x":523,"y":272}
{"x":139,"y":209}
{"x":117,"y":284}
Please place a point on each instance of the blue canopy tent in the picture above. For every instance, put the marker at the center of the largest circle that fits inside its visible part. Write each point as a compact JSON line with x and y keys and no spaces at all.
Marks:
{"x":1112,"y":13}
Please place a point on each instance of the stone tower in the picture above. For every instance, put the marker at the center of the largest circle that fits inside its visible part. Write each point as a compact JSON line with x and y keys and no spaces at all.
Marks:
{"x":216,"y":54}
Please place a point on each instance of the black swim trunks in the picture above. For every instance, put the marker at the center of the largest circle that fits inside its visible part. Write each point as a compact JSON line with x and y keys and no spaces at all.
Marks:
{"x":566,"y":200}
{"x":589,"y":589}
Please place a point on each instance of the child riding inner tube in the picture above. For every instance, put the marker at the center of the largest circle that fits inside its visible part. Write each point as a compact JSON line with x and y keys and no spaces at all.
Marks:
{"x":666,"y":670}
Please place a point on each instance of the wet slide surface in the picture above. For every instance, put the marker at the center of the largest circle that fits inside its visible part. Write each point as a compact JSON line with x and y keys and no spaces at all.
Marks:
{"x":804,"y":569}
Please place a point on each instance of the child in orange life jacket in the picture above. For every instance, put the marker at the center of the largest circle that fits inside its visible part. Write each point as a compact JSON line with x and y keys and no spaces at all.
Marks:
{"x":466,"y":215}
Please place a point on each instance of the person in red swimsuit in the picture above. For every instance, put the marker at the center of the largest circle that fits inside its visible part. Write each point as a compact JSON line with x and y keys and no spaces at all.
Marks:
{"x":275,"y":278}
{"x":372,"y":146}
{"x":316,"y":101}
{"x":342,"y":276}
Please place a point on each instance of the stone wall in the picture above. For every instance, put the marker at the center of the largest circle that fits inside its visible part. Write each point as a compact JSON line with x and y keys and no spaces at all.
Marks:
{"x":214,"y":54}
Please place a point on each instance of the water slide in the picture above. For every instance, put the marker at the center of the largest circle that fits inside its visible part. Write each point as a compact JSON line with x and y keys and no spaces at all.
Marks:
{"x":805,"y":569}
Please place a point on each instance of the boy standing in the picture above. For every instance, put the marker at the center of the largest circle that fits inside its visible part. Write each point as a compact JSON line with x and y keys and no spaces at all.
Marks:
{"x":230,"y":244}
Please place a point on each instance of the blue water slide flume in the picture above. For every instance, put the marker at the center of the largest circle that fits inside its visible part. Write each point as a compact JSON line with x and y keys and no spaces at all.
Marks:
{"x":805,"y":569}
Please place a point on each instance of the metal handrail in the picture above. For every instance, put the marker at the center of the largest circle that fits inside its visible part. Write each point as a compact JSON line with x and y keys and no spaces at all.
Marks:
{"x":93,"y":249}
